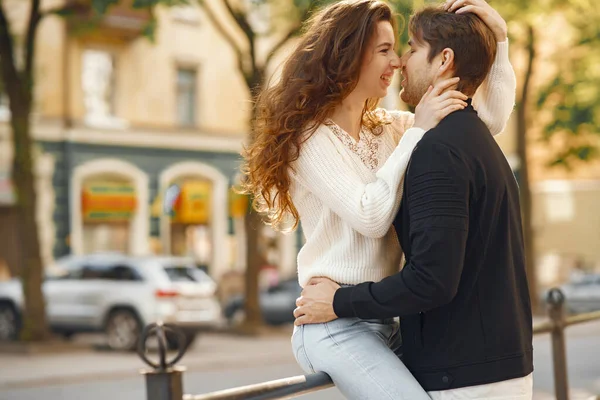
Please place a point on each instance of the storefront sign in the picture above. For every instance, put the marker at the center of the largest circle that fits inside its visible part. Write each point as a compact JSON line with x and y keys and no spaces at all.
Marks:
{"x":193,"y":205}
{"x":108,"y":201}
{"x":238,"y":204}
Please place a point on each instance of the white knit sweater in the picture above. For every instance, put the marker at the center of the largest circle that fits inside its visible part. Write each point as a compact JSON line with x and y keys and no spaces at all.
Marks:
{"x":347,"y":193}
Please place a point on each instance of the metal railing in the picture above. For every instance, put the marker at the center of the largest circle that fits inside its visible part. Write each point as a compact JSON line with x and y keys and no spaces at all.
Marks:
{"x":164,"y":381}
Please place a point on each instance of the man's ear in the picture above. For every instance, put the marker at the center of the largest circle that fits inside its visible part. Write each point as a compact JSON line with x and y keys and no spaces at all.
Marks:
{"x":446,"y":59}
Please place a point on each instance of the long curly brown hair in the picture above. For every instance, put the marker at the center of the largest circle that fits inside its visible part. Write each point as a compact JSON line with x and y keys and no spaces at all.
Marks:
{"x":321,"y":72}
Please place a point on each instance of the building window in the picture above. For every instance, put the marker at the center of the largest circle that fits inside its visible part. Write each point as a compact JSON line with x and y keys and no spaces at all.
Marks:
{"x":186,"y":97}
{"x":99,"y":92}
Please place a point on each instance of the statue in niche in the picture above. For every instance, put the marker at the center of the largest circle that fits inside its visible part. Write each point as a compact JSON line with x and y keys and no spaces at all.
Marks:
{"x":98,"y":89}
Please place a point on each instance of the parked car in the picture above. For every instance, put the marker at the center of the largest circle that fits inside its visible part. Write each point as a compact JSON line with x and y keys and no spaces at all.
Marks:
{"x":582,"y":294}
{"x":118,"y":295}
{"x":277,"y":304}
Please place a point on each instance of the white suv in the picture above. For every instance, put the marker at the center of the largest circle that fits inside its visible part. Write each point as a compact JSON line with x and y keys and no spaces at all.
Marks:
{"x":119,"y":295}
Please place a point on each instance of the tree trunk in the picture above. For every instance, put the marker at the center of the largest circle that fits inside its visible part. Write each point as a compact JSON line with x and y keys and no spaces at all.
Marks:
{"x":34,"y":324}
{"x":524,"y":184}
{"x":253,"y":320}
{"x":253,"y":227}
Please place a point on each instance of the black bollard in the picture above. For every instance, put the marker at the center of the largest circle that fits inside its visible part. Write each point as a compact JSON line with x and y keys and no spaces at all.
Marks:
{"x":164,"y":381}
{"x":167,"y":385}
{"x":556,"y":312}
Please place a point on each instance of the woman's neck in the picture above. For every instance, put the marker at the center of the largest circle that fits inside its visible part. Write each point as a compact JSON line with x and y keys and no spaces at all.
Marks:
{"x":348,"y":115}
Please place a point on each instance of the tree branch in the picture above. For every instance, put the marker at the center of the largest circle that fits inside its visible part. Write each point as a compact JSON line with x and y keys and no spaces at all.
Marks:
{"x":291,"y":33}
{"x":241,"y":21}
{"x":228,"y":38}
{"x":10,"y":74}
{"x":34,"y":19}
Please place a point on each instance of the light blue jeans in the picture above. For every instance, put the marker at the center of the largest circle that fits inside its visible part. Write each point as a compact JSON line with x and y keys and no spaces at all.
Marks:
{"x":361,"y":356}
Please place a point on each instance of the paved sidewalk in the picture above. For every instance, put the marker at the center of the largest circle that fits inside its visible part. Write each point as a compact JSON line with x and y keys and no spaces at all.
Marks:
{"x":225,"y":352}
{"x":211,"y":352}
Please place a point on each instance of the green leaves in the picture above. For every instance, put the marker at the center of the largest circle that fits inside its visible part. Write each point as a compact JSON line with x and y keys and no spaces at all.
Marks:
{"x":100,"y":6}
{"x":570,"y":101}
{"x":149,"y":30}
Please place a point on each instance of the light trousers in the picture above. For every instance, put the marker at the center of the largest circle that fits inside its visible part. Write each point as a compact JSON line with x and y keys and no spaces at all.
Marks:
{"x":363,"y":359}
{"x":360,"y":356}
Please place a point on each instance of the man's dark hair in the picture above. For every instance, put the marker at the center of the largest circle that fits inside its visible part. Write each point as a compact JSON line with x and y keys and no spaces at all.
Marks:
{"x":473,"y":43}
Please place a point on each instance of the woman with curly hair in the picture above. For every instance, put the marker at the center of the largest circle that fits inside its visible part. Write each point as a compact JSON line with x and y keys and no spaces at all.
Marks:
{"x":323,"y":154}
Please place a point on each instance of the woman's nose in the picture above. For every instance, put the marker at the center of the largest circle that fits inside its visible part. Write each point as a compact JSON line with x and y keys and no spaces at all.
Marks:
{"x":396,"y":62}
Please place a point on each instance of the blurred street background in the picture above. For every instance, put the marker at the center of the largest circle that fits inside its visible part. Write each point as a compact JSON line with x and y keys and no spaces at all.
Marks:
{"x":121,"y":127}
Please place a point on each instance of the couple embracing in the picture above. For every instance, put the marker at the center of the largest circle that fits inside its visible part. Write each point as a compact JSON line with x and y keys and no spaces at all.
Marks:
{"x":413,"y":269}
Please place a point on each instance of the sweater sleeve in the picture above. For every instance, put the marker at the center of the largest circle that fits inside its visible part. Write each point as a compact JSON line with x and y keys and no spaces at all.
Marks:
{"x":494,"y":100}
{"x":437,"y":193}
{"x":369,"y":208}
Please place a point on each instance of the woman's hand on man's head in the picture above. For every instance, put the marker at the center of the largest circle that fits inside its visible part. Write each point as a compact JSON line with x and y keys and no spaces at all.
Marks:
{"x":483,"y":10}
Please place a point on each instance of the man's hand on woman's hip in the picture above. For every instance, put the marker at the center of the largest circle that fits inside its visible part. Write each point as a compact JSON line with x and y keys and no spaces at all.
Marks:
{"x":315,"y":304}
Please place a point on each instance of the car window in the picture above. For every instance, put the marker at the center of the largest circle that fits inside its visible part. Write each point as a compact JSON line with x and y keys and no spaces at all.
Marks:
{"x":91,"y":271}
{"x":63,"y":274}
{"x":64,"y":269}
{"x":122,"y":273}
{"x":186,"y":274}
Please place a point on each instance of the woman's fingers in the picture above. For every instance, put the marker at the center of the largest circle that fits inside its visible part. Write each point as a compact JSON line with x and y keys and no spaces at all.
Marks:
{"x":444,"y":112}
{"x":456,"y":4}
{"x":453,"y":94}
{"x":426,"y":95}
{"x":452,"y":102}
{"x":453,"y":5}
{"x":484,"y":11}
{"x":444,"y":85}
{"x":480,"y":12}
{"x":429,"y":90}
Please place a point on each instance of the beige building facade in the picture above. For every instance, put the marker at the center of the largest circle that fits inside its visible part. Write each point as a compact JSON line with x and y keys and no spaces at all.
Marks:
{"x":119,"y":119}
{"x":115,"y":112}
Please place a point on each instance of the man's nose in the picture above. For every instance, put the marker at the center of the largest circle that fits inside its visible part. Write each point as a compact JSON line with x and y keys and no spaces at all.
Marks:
{"x":403,"y":59}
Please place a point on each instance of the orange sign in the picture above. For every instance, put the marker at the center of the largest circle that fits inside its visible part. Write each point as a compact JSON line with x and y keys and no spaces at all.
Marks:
{"x":108,"y":201}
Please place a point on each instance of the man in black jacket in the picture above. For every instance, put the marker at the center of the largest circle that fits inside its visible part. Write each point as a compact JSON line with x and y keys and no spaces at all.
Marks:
{"x":462,"y":295}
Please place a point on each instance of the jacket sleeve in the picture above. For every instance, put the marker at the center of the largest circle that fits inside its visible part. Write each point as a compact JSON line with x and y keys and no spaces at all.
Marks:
{"x":494,"y":100}
{"x":437,"y":197}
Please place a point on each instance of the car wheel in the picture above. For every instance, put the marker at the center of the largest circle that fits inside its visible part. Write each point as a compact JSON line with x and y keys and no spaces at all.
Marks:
{"x":9,"y":322}
{"x":123,"y":330}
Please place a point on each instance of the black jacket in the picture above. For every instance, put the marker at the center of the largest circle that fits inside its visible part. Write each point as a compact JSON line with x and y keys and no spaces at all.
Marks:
{"x":462,"y":295}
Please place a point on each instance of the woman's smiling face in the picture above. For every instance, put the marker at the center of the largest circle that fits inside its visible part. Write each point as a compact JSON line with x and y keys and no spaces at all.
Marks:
{"x":379,"y":63}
